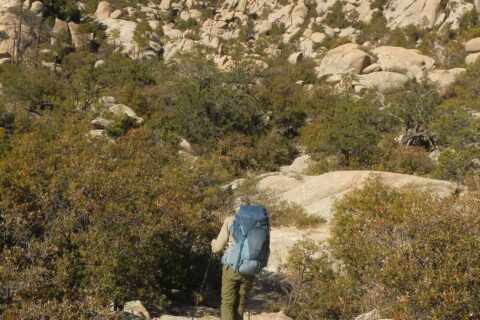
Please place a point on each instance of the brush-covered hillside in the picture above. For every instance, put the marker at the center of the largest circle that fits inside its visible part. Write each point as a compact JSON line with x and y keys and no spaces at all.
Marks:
{"x":127,"y":129}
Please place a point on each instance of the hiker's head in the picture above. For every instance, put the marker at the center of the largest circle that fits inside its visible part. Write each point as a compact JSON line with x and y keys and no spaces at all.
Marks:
{"x":238,"y":202}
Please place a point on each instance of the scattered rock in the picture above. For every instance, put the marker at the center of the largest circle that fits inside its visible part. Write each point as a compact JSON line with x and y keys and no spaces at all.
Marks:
{"x":117,"y":14}
{"x":472,"y":58}
{"x":136,"y":308}
{"x":299,"y":13}
{"x":346,"y":32}
{"x":120,"y":110}
{"x":97,"y":133}
{"x":107,"y":101}
{"x":472,"y":45}
{"x":37,"y":8}
{"x":185,"y":145}
{"x":165,"y":5}
{"x":372,"y":315}
{"x":103,"y":10}
{"x":296,"y":57}
{"x":318,"y":37}
{"x":263,"y":27}
{"x":101,"y":123}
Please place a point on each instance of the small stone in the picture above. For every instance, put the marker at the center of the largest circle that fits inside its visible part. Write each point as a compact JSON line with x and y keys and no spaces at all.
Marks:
{"x":295,"y":58}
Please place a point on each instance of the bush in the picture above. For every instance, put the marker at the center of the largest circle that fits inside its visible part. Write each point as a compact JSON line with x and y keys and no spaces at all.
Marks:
{"x":409,"y":160}
{"x":347,"y":129}
{"x":88,"y":222}
{"x":406,"y":253}
{"x":336,"y":17}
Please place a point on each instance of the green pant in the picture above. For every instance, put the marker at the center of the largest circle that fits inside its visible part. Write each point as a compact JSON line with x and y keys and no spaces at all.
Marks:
{"x":235,"y":288}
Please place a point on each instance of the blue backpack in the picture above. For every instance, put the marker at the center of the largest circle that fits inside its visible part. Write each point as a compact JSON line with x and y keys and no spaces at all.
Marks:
{"x":251,"y":235}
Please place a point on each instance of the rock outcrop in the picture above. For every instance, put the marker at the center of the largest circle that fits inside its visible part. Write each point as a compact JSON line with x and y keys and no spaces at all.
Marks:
{"x":108,"y":113}
{"x":407,"y":61}
{"x":347,"y":58}
{"x":445,"y":78}
{"x":317,"y":194}
{"x":382,"y":81}
{"x":472,"y":46}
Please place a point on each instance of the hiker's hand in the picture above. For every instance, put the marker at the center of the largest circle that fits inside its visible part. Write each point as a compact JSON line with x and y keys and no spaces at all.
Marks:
{"x":213,"y":242}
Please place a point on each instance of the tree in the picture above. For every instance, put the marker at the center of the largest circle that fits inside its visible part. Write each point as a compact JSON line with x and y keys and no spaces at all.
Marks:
{"x":115,"y":35}
{"x":347,"y":128}
{"x":141,"y":36}
{"x":414,"y":111}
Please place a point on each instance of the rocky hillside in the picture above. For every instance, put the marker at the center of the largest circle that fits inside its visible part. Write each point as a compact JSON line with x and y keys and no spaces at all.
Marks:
{"x":128,"y":128}
{"x":349,"y":41}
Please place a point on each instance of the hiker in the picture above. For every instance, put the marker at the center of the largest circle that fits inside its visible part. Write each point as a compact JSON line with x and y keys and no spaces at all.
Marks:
{"x":244,"y":239}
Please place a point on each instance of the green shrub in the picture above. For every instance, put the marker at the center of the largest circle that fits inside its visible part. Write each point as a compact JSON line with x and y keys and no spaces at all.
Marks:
{"x":336,"y":17}
{"x":347,"y":129}
{"x":404,"y":252}
{"x":409,"y":160}
{"x":89,"y":222}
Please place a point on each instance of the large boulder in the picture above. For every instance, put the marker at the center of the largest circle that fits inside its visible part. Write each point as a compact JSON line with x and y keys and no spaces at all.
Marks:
{"x":37,"y":8}
{"x":104,"y":10}
{"x":79,"y":39}
{"x":364,"y":10}
{"x":472,"y":58}
{"x":324,"y":5}
{"x":171,"y":49}
{"x":318,"y":37}
{"x":299,"y":13}
{"x":472,"y":45}
{"x":136,"y":308}
{"x":317,"y":193}
{"x":5,"y":5}
{"x":122,"y":111}
{"x":347,"y":58}
{"x":8,"y":21}
{"x":383,"y":81}
{"x":60,"y":27}
{"x":402,"y":13}
{"x":445,"y":78}
{"x":455,"y":10}
{"x":295,"y":58}
{"x":125,"y":31}
{"x":407,"y":61}
{"x":263,"y":27}
{"x":425,"y":13}
{"x":165,"y":5}
{"x":282,"y":16}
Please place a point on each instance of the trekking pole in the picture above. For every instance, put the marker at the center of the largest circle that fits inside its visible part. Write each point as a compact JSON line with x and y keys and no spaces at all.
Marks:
{"x":203,"y":284}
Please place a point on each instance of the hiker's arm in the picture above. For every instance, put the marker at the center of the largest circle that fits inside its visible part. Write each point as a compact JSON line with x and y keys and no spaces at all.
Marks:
{"x":222,"y":239}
